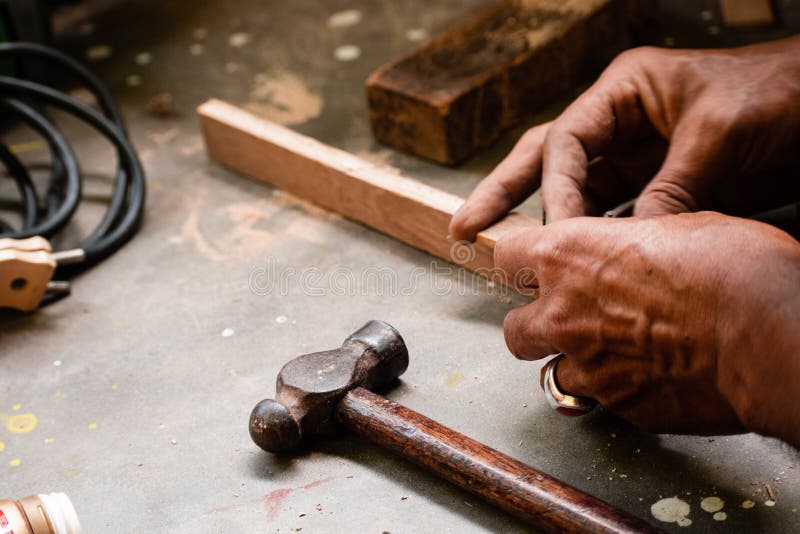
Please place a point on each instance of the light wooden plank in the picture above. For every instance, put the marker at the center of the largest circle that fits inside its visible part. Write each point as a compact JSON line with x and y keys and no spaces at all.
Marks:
{"x":375,"y":196}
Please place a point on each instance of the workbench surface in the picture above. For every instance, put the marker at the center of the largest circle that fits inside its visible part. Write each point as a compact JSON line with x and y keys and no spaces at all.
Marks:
{"x":142,"y":381}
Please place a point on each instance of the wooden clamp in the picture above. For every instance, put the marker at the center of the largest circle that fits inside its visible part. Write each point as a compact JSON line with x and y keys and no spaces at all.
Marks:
{"x":375,"y":196}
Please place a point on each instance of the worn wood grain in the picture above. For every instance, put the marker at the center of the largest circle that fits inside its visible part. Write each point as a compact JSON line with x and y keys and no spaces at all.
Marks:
{"x":378,"y":197}
{"x":503,"y":61}
{"x":527,"y":493}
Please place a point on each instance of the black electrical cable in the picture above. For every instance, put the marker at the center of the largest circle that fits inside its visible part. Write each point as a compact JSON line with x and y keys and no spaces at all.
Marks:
{"x":26,"y":189}
{"x":96,"y":247}
{"x":67,"y":164}
{"x":101,"y":94}
{"x":124,"y":213}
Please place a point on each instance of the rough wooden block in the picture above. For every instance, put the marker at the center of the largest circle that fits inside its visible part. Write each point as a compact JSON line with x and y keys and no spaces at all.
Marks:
{"x":460,"y":90}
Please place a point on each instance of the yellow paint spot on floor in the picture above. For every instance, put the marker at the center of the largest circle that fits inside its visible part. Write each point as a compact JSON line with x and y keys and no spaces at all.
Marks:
{"x":59,"y":394}
{"x":16,"y":407}
{"x":50,"y":440}
{"x":92,"y":425}
{"x":70,"y":473}
{"x":2,"y":446}
{"x":28,"y":146}
{"x":15,"y":462}
{"x":114,"y":386}
{"x":22,"y":423}
{"x":453,"y":380}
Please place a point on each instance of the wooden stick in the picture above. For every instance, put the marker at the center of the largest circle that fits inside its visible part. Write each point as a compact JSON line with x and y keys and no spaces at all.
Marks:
{"x":380,"y":198}
{"x":531,"y":495}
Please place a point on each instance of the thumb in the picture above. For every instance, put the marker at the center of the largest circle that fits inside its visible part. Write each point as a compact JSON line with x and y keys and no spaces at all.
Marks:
{"x":681,"y":183}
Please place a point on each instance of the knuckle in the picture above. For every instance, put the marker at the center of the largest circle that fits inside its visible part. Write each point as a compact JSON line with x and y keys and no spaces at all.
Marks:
{"x":717,"y":119}
{"x":550,"y":259}
{"x":542,"y":249}
{"x":529,"y":136}
{"x":746,"y":115}
{"x":512,"y":331}
{"x":636,"y":56}
{"x":534,"y":136}
{"x":626,"y":94}
{"x":729,"y":123}
{"x":673,"y":195}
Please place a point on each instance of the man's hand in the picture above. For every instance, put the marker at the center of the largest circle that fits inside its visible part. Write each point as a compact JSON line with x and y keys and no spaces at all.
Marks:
{"x":683,"y":129}
{"x":682,"y":323}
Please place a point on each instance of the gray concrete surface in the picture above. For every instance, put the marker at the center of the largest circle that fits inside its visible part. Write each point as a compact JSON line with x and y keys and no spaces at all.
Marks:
{"x":142,"y":401}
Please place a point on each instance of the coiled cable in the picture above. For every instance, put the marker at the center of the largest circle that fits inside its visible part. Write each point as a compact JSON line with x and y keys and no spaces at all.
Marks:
{"x":47,"y":215}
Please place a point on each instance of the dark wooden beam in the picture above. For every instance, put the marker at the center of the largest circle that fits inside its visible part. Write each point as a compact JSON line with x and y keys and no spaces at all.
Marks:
{"x":505,"y":60}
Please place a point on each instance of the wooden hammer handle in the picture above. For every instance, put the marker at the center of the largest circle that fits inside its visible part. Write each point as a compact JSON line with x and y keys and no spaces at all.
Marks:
{"x":532,"y":496}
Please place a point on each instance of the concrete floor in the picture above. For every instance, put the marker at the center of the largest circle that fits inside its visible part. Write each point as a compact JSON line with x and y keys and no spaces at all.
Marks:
{"x":143,"y":379}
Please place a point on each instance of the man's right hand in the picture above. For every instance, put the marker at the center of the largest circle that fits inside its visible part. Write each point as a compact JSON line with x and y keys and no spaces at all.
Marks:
{"x":683,"y":129}
{"x":682,"y":323}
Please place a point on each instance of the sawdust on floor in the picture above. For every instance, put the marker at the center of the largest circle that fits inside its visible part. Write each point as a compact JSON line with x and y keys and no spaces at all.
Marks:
{"x":284,"y":98}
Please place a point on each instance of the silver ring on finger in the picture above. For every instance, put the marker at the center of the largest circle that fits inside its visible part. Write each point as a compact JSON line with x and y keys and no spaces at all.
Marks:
{"x":559,"y":400}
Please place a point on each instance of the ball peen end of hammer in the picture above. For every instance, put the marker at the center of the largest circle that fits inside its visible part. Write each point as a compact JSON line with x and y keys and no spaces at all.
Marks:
{"x":273,"y":428}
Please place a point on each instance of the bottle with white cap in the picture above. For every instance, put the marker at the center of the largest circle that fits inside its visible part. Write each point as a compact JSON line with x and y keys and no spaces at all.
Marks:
{"x":50,"y":513}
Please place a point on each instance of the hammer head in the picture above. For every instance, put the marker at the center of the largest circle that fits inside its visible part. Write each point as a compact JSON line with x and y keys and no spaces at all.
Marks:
{"x":310,"y":387}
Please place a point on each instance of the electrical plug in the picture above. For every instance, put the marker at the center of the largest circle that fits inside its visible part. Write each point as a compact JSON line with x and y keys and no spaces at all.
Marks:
{"x":26,"y":271}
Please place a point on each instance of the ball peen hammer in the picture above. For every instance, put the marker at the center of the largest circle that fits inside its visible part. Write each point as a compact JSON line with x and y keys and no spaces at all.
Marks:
{"x":318,"y":393}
